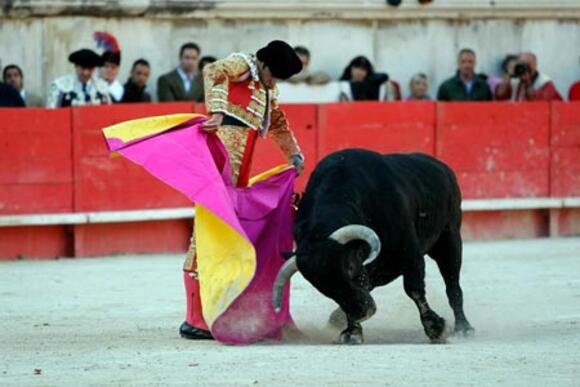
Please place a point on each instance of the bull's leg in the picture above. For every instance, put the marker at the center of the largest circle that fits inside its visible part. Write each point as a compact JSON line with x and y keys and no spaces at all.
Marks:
{"x":447,"y":252}
{"x":353,"y":333}
{"x":414,"y":283}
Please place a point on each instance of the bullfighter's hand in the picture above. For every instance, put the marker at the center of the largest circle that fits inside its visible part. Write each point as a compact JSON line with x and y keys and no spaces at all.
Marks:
{"x":213,"y":123}
{"x":298,"y":162}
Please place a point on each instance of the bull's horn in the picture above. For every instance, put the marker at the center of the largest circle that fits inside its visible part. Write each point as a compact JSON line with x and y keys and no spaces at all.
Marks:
{"x":288,"y":269}
{"x":356,"y":231}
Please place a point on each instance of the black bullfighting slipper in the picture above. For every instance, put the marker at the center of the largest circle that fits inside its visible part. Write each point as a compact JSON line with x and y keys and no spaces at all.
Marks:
{"x":192,"y":333}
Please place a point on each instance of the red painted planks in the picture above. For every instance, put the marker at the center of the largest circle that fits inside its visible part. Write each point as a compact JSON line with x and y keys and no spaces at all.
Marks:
{"x":565,"y":140}
{"x":482,"y":225}
{"x":171,"y":236}
{"x":35,"y":161}
{"x":380,"y":126}
{"x":496,"y":149}
{"x":35,"y":242}
{"x":303,"y":122}
{"x":565,"y":123}
{"x":104,"y":183}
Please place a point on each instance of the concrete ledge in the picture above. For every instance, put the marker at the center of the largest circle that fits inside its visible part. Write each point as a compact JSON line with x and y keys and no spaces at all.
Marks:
{"x":297,"y":10}
{"x":187,"y":213}
{"x":96,"y":217}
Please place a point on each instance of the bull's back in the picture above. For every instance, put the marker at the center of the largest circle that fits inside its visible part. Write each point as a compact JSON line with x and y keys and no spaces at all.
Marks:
{"x":395,"y":194}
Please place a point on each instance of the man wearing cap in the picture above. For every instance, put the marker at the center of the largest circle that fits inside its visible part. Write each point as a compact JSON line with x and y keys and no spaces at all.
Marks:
{"x":241,"y":99}
{"x":80,"y":88}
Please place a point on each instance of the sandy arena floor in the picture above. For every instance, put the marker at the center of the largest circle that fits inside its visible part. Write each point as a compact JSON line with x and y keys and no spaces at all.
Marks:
{"x":114,"y":320}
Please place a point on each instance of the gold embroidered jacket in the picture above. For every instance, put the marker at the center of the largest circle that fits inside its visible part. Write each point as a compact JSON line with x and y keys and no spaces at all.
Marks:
{"x":232,"y":87}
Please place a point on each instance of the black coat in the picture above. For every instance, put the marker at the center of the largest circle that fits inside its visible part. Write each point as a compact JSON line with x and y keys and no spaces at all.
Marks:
{"x":453,"y":89}
{"x":9,"y":96}
{"x":134,"y":93}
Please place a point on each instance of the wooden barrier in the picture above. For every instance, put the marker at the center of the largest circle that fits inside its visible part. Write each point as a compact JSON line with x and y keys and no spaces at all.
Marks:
{"x":383,"y":127}
{"x":565,"y":165}
{"x":56,"y":161}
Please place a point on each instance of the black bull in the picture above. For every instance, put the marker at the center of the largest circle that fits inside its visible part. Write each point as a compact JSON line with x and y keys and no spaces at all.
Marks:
{"x":367,"y":218}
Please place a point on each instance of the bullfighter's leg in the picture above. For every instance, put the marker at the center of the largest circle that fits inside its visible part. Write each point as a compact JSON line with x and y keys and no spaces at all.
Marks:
{"x":447,"y":252}
{"x":414,"y":283}
{"x":194,"y":326}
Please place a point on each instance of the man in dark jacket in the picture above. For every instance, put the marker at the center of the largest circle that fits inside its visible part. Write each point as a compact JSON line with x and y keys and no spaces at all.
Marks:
{"x":465,"y":85}
{"x":185,"y":82}
{"x":9,"y":96}
{"x":135,"y":86}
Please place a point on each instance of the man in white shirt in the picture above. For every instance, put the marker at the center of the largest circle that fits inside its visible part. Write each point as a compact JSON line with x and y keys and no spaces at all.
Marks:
{"x":82,"y":87}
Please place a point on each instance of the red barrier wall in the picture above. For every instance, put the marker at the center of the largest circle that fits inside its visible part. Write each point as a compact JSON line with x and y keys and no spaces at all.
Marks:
{"x":56,"y":161}
{"x":36,"y":168}
{"x":303,"y":121}
{"x":383,"y":127}
{"x":105,"y":183}
{"x":497,"y":150}
{"x":35,"y":177}
{"x":565,"y":163}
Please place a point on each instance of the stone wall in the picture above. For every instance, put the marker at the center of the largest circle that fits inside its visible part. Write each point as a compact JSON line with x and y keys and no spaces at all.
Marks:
{"x":38,"y":35}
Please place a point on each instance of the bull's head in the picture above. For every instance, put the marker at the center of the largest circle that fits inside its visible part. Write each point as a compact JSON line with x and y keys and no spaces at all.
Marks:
{"x":335,"y":267}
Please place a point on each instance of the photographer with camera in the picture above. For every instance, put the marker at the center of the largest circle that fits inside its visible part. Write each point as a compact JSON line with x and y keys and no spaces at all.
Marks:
{"x":526,"y":83}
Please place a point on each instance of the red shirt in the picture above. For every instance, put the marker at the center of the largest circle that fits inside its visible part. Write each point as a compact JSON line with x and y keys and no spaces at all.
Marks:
{"x":574,"y":93}
{"x":543,"y":89}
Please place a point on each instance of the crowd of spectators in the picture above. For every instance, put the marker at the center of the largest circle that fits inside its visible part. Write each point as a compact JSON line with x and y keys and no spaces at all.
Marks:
{"x":520,"y":80}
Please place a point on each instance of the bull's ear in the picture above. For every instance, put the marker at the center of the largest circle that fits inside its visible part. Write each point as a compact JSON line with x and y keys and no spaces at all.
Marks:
{"x":287,"y":255}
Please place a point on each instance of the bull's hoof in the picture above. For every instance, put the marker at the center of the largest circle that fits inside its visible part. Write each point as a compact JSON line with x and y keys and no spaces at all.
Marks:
{"x":464,"y":328}
{"x":337,"y":319}
{"x":350,"y":337}
{"x":435,"y":327}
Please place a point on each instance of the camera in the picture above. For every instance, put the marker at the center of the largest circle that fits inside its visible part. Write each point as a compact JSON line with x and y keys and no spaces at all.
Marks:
{"x":520,"y":69}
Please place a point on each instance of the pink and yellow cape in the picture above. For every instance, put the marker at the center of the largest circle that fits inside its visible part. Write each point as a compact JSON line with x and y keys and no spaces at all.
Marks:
{"x":240,"y":232}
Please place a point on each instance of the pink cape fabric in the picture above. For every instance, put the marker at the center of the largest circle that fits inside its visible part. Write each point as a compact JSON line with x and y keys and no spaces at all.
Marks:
{"x":196,"y":164}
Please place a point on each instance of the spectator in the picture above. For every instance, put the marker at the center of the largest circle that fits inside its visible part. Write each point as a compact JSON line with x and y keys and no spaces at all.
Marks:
{"x":365,"y":84}
{"x":80,"y":88}
{"x":185,"y":82}
{"x":526,"y":83}
{"x":13,"y":76}
{"x":134,"y":89}
{"x":111,"y":59}
{"x":418,"y":86}
{"x":574,"y":93}
{"x":465,"y":85}
{"x":305,"y":76}
{"x":507,"y":69}
{"x":9,"y":96}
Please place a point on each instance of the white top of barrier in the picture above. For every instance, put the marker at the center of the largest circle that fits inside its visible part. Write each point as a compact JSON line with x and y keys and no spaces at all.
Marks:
{"x":305,"y":93}
{"x":188,"y":213}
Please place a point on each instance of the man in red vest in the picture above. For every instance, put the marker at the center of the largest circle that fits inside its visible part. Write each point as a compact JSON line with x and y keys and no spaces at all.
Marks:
{"x":241,"y":99}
